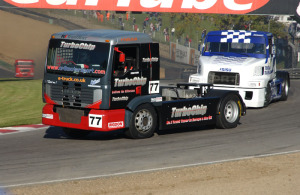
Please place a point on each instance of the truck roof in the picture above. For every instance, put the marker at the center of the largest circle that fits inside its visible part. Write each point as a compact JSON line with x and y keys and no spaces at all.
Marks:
{"x":238,"y":36}
{"x":24,"y":60}
{"x":100,"y":35}
{"x":240,"y":32}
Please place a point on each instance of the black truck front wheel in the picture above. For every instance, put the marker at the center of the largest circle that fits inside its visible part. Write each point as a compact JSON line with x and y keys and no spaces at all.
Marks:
{"x":75,"y":133}
{"x":143,"y":122}
{"x":230,"y":112}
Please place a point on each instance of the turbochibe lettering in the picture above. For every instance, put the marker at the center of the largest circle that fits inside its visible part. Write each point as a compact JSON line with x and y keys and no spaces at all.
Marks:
{"x":189,"y":111}
{"x":130,"y":82}
{"x":77,"y":45}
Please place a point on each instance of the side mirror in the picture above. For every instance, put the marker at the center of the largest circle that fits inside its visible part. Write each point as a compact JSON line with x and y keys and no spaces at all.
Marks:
{"x":122,"y":57}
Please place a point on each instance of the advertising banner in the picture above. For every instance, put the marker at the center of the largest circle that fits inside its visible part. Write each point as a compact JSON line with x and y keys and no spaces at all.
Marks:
{"x":262,"y":7}
{"x":183,"y":54}
{"x":186,"y":6}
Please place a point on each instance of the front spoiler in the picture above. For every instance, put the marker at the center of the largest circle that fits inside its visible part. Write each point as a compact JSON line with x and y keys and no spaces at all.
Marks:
{"x":95,"y":120}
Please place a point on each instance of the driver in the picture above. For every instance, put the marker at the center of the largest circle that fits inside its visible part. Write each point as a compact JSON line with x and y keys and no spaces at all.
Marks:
{"x":259,"y":49}
{"x":83,"y":59}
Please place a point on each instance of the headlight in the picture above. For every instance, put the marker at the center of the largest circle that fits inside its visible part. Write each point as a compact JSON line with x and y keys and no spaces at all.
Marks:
{"x":97,"y":95}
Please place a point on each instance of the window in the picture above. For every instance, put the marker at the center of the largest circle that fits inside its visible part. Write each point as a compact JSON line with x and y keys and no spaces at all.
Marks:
{"x":82,"y":58}
{"x":125,"y":60}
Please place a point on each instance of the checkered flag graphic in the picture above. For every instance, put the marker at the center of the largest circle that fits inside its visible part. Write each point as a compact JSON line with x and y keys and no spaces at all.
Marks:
{"x":236,"y":36}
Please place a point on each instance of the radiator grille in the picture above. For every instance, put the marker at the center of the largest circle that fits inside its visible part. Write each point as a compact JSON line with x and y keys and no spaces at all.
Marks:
{"x":72,"y":94}
{"x":224,"y":78}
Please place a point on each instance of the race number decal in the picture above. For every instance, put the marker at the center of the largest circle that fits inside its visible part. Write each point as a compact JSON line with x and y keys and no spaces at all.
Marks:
{"x":95,"y":120}
{"x":153,"y":87}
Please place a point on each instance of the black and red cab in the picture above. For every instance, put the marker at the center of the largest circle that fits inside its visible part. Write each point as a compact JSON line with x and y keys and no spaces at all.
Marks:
{"x":105,"y":80}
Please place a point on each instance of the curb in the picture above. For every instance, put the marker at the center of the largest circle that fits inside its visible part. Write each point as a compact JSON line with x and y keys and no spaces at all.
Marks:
{"x":21,"y":128}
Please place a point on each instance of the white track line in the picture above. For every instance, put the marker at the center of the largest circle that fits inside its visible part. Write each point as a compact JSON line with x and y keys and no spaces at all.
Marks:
{"x":154,"y":169}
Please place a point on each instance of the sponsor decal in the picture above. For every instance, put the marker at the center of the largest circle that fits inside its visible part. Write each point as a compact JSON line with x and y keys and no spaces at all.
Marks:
{"x":189,"y":120}
{"x":51,"y":82}
{"x":225,"y":69}
{"x":129,"y":90}
{"x":52,"y":67}
{"x":157,"y":99}
{"x":268,"y":70}
{"x":130,"y":82}
{"x":134,"y":72}
{"x":73,"y":37}
{"x":85,"y":46}
{"x":114,"y":125}
{"x":47,"y":116}
{"x":129,"y":39}
{"x":94,"y":82}
{"x":81,"y":70}
{"x":187,"y":6}
{"x":240,"y":107}
{"x":123,"y":91}
{"x":70,"y":79}
{"x":188,"y":111}
{"x":153,"y":59}
{"x":116,"y":92}
{"x":117,"y":99}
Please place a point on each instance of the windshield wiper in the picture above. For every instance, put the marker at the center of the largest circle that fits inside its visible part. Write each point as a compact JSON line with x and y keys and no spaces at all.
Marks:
{"x":245,"y":54}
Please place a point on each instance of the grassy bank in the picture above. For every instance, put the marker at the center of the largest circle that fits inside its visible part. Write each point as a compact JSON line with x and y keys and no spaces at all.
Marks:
{"x":6,"y":65}
{"x":20,"y":102}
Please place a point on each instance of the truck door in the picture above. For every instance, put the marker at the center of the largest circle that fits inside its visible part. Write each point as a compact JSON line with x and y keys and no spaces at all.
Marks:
{"x":272,"y":60}
{"x":150,"y":67}
{"x":127,"y":79}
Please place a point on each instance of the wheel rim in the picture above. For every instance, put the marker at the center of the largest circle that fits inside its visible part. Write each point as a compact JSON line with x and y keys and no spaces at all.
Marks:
{"x":231,"y":111}
{"x":143,"y":121}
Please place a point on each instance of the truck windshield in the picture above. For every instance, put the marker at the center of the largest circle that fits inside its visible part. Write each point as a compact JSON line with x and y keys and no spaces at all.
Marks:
{"x":77,"y":58}
{"x":25,"y":63}
{"x":255,"y":48}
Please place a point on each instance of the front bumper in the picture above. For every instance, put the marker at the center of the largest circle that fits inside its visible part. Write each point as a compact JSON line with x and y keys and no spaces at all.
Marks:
{"x":95,"y":120}
{"x":252,"y":97}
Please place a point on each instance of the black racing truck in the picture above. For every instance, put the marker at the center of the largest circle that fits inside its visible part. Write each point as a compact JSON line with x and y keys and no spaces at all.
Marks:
{"x":106,"y":80}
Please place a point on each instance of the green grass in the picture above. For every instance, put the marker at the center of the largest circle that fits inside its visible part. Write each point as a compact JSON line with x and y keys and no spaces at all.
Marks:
{"x":20,"y":102}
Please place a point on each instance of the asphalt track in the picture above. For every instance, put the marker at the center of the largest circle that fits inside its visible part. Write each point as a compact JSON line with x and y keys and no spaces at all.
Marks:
{"x":46,"y":155}
{"x":6,"y":73}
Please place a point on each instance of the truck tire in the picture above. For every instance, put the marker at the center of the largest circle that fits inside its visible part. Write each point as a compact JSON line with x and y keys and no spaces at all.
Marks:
{"x":230,"y":112}
{"x":75,"y":133}
{"x":267,"y":95}
{"x":143,"y":122}
{"x":285,"y":87}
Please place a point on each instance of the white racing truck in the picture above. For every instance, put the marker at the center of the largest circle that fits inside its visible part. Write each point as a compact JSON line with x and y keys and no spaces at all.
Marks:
{"x":242,"y":61}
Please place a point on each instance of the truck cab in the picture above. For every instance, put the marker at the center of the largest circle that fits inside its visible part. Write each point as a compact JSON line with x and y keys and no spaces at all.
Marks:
{"x":101,"y":70}
{"x":243,"y":61}
{"x":106,"y":80}
{"x":24,"y":68}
